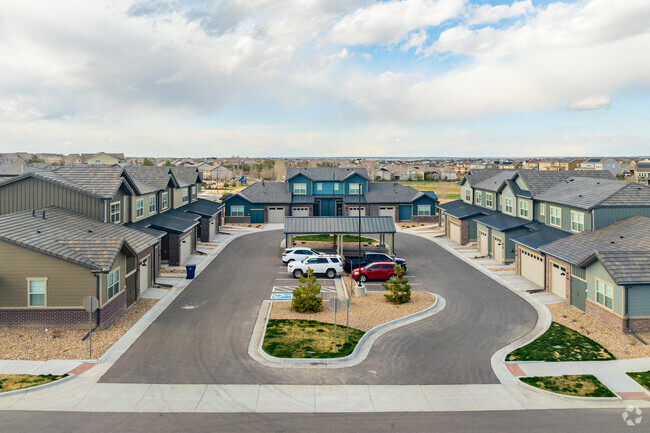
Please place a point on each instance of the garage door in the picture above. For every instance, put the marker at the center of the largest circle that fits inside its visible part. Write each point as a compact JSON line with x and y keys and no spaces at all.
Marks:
{"x":354,"y":211}
{"x":497,"y":249}
{"x":558,"y":280}
{"x":483,"y":242}
{"x":300,"y":211}
{"x":276,"y":215}
{"x":145,"y":269}
{"x":454,"y":232}
{"x":387,"y":211}
{"x":186,"y":247}
{"x":532,"y":266}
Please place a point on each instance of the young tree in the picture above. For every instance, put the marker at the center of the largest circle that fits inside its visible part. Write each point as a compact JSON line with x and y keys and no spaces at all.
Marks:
{"x":147,"y":162}
{"x":168,"y":163}
{"x":305,"y":296}
{"x":399,"y":287}
{"x":226,"y":184}
{"x":34,"y":160}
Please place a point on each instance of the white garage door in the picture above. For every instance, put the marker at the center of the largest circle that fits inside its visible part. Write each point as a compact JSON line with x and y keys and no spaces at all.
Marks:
{"x":497,"y":248}
{"x":558,"y":280}
{"x":300,"y":211}
{"x":532,"y":266}
{"x":145,"y":270}
{"x":186,"y":247}
{"x":354,"y":211}
{"x":483,"y":242}
{"x":387,"y":211}
{"x":276,"y":215}
{"x":454,"y":232}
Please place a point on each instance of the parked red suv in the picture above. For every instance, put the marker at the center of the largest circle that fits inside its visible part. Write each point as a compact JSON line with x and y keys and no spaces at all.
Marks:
{"x":375,"y":271}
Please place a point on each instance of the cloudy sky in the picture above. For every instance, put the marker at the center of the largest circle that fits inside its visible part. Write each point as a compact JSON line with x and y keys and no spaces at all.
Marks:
{"x":326,"y":77}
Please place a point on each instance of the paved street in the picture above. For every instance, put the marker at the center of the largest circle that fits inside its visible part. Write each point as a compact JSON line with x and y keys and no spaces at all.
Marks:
{"x":203,"y":336}
{"x":538,"y":421}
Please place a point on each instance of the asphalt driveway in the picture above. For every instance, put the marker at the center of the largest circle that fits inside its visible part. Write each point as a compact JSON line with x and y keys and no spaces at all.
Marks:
{"x":203,"y":336}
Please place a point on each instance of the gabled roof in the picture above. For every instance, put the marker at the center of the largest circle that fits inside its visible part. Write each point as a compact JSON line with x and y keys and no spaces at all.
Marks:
{"x":172,"y":221}
{"x":474,"y":177}
{"x":12,"y":168}
{"x":588,"y":193}
{"x":185,"y":176}
{"x":461,"y":210}
{"x":631,"y":234}
{"x":72,"y":237}
{"x":502,"y":222}
{"x":149,"y":178}
{"x":493,"y":183}
{"x":540,"y":181}
{"x":326,"y":173}
{"x":625,"y":267}
{"x":202,"y":207}
{"x":541,"y":234}
{"x":390,"y":192}
{"x":265,"y":192}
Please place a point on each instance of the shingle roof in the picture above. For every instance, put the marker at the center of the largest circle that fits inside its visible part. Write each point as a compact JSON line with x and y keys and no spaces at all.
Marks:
{"x":390,"y":192}
{"x":631,"y":234}
{"x":149,"y":178}
{"x":540,"y":181}
{"x":581,"y":192}
{"x":474,"y":177}
{"x":185,"y":176}
{"x":202,"y":207}
{"x":625,"y":267}
{"x":326,"y":173}
{"x":339,"y":225}
{"x":502,"y":222}
{"x":632,"y":194}
{"x":12,"y":168}
{"x":71,"y":236}
{"x":493,"y":183}
{"x":265,"y":192}
{"x":172,"y":221}
{"x":461,"y":210}
{"x":100,"y":180}
{"x":541,"y":235}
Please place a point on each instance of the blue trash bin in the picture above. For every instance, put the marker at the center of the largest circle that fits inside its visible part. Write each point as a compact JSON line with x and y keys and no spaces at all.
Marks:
{"x":191,"y":269}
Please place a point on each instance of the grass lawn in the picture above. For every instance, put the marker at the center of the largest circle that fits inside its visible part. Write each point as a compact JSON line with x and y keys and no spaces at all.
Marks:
{"x":560,"y":343}
{"x":12,"y":382}
{"x":578,"y":385}
{"x":444,"y":190}
{"x":643,"y":378}
{"x":328,"y":238}
{"x":286,"y":338}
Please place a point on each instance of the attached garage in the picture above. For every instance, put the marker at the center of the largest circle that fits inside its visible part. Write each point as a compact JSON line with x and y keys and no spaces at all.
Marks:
{"x":276,"y":215}
{"x":387,"y":211}
{"x":558,"y":279}
{"x":186,"y":247}
{"x":483,"y":242}
{"x":300,"y":211}
{"x":145,"y":271}
{"x":531,"y":266}
{"x":454,"y":232}
{"x":497,"y":249}
{"x":354,"y":211}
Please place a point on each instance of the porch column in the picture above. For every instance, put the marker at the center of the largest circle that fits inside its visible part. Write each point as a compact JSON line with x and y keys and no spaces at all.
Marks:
{"x":391,"y":246}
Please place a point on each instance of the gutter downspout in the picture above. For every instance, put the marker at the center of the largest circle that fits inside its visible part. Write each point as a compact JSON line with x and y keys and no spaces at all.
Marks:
{"x":96,"y":274}
{"x":627,"y":319}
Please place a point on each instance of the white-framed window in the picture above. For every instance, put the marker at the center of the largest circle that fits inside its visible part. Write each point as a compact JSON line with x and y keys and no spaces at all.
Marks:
{"x":36,"y":292}
{"x":98,"y":161}
{"x":508,"y":205}
{"x":152,"y":203}
{"x":113,"y":283}
{"x":523,"y":209}
{"x":489,"y":199}
{"x":355,"y":188}
{"x":542,"y":209}
{"x":424,"y":210}
{"x":468,"y":195}
{"x":139,"y":208}
{"x":319,"y":186}
{"x":577,"y":221}
{"x":479,"y":197}
{"x":300,"y":188}
{"x":237,"y":211}
{"x":556,"y":216}
{"x":336,"y":186}
{"x":604,"y":293}
{"x":116,"y":212}
{"x":164,"y":200}
{"x":186,"y":195}
{"x":193,"y":191}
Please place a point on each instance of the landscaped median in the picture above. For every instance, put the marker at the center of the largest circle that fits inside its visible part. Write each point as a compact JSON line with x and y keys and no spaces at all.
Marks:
{"x":584,"y":385}
{"x":15,"y":382}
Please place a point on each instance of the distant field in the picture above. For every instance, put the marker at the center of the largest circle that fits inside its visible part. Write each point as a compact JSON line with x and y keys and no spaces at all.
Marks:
{"x":446,"y":191}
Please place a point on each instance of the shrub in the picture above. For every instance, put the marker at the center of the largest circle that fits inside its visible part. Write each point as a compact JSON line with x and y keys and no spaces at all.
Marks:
{"x":305,"y":296}
{"x":399,"y":287}
{"x":226,"y":184}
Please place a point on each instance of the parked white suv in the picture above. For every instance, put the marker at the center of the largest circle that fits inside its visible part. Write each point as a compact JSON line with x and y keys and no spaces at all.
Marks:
{"x":298,"y":254}
{"x":329,"y":265}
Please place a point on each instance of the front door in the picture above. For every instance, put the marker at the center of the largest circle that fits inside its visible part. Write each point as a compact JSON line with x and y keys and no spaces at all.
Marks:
{"x":578,"y":294}
{"x":145,"y":269}
{"x":316,"y":207}
{"x":339,"y":208}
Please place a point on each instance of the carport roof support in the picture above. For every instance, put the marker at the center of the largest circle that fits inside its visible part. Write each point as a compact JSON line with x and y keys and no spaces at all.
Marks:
{"x":338,"y":225}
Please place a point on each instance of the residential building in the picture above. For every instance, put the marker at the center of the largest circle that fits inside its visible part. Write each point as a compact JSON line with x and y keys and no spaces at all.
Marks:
{"x":383,"y":174}
{"x":609,"y":164}
{"x":217,"y":173}
{"x":642,"y":172}
{"x":102,"y":158}
{"x":566,"y":164}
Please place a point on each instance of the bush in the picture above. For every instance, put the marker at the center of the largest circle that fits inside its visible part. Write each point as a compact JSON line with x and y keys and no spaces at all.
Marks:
{"x":305,"y":296}
{"x":226,"y":184}
{"x":400,"y":289}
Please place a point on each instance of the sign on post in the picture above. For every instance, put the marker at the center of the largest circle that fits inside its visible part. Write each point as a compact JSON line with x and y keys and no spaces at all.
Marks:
{"x":90,"y":304}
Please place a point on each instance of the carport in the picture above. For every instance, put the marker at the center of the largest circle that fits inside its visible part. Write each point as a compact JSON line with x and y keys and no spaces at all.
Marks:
{"x":384,"y":226}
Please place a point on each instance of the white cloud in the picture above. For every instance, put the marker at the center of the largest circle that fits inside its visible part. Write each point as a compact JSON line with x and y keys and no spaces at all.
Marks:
{"x":591,"y":103}
{"x":493,"y":14}
{"x":387,"y":23}
{"x":417,"y":40}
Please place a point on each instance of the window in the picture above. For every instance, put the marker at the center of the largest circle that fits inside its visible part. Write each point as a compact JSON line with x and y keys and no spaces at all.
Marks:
{"x":488,"y":199}
{"x":355,"y":188}
{"x":523,"y":209}
{"x":577,"y":221}
{"x":556,"y":216}
{"x":424,"y":210}
{"x":186,"y":195}
{"x":604,"y":293}
{"x":36,"y":292}
{"x":164,"y":200}
{"x":193,"y":191}
{"x":237,"y":211}
{"x":113,"y":283}
{"x":139,"y":208}
{"x":319,"y":186}
{"x":322,"y":260}
{"x":115,"y":212}
{"x":468,"y":195}
{"x":508,"y":205}
{"x":300,"y":188}
{"x":336,"y":186}
{"x":542,"y":209}
{"x":98,"y":161}
{"x":479,"y":197}
{"x":152,"y":203}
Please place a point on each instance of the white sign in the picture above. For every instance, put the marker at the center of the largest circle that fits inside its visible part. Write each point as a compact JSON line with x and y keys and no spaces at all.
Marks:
{"x":90,"y":304}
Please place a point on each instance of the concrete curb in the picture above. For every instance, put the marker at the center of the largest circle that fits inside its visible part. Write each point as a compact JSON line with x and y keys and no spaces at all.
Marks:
{"x":37,"y":387}
{"x":358,"y":355}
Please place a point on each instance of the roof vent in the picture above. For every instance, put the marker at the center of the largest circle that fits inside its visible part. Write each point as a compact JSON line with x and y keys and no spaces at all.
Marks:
{"x":579,"y":195}
{"x":90,"y":231}
{"x":38,"y":231}
{"x":622,"y":237}
{"x":612,"y":242}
